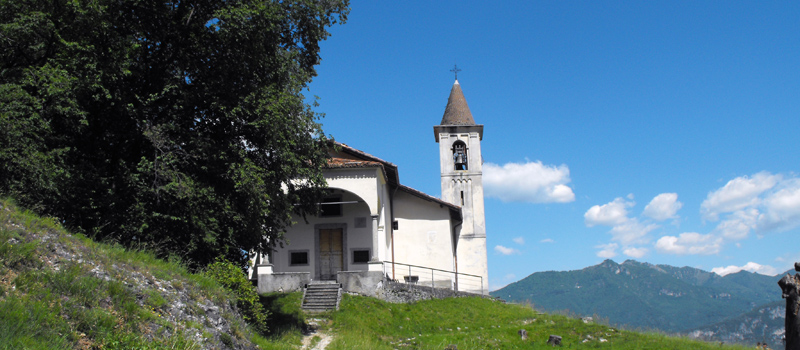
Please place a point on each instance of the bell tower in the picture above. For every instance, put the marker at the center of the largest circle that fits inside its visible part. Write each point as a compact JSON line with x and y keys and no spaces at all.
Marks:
{"x":461,"y":164}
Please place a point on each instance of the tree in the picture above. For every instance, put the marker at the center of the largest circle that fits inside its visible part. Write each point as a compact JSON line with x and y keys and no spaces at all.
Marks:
{"x":175,"y":125}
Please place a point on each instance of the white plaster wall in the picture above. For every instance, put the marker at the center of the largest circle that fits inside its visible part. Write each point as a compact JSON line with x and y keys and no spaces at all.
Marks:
{"x":301,"y":236}
{"x":471,"y":249}
{"x":472,"y":260}
{"x":424,"y":235}
{"x":364,"y":182}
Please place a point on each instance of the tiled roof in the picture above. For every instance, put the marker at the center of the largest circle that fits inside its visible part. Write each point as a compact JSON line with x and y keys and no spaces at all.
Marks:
{"x":349,"y":157}
{"x":335,"y":162}
{"x":362,"y":154}
{"x":457,"y":112}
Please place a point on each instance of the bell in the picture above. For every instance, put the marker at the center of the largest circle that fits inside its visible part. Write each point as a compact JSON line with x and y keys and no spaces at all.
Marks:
{"x":460,"y":158}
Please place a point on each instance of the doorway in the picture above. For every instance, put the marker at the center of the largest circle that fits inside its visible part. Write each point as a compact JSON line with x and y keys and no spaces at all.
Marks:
{"x":331,"y":257}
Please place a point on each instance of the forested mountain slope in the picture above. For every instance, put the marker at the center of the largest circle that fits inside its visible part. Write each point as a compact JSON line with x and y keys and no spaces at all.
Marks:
{"x":641,"y":295}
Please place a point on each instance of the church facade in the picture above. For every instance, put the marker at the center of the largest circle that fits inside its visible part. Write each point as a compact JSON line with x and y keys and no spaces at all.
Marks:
{"x":372,"y":228}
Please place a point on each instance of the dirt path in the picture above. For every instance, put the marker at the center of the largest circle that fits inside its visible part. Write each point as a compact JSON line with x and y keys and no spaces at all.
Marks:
{"x":314,"y":332}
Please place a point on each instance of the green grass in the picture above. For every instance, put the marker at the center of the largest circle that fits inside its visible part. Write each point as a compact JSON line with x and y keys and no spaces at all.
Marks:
{"x":475,"y":323}
{"x":65,"y":306}
{"x":287,"y":322}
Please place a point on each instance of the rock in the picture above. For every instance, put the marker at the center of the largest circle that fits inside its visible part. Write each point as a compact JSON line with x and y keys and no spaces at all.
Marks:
{"x":451,"y":347}
{"x":523,"y":334}
{"x":790,"y":286}
{"x":554,"y":340}
{"x":586,"y":319}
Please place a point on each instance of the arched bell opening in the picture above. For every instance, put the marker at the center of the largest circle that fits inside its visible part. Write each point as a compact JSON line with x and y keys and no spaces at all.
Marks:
{"x":460,"y":158}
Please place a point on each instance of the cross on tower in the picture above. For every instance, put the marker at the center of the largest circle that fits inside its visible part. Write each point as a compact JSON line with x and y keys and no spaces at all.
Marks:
{"x":455,"y":70}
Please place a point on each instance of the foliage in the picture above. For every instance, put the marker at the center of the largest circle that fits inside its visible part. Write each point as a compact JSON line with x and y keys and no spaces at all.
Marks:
{"x":173,"y":125}
{"x":231,"y":277}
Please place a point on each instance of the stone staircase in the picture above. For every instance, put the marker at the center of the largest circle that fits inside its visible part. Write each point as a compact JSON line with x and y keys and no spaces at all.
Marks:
{"x":321,"y":296}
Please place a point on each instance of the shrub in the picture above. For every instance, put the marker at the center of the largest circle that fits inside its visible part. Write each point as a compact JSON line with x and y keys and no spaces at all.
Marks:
{"x":232,"y":278}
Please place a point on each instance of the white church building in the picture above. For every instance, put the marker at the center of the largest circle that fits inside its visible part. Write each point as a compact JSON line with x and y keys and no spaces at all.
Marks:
{"x":371,"y":228}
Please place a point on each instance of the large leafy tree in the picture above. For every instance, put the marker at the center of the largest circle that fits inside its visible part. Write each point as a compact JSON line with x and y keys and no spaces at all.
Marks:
{"x":175,"y":125}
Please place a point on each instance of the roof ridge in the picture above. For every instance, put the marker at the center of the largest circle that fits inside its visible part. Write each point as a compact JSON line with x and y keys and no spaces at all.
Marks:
{"x":363,"y":154}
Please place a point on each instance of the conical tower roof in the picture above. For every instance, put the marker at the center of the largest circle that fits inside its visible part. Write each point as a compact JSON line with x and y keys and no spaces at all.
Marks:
{"x":457,"y":112}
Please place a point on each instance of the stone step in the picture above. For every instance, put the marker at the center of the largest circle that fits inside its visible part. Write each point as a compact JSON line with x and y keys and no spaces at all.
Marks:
{"x":327,"y":298}
{"x":321,"y":296}
{"x":323,"y":289}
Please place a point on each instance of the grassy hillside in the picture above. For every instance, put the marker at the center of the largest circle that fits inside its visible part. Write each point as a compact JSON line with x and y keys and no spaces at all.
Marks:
{"x":63,"y":291}
{"x":475,"y":323}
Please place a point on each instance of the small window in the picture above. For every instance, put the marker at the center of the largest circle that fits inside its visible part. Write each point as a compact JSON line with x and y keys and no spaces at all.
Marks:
{"x":460,"y":155}
{"x":298,"y":258}
{"x":331,"y":206}
{"x":360,"y":256}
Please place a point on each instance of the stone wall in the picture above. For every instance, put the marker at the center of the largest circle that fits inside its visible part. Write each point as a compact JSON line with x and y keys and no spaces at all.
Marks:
{"x":369,"y":283}
{"x":283,"y":282}
{"x":394,"y":292}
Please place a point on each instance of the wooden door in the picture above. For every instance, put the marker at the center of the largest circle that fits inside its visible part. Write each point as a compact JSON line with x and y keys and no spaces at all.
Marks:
{"x":330,"y":253}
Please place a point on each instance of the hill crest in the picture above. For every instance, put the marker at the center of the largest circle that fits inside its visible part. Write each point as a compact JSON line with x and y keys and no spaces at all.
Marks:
{"x":646,"y":296}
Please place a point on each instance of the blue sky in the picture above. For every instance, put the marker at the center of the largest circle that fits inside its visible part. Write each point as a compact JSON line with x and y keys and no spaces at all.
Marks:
{"x":664,"y":132}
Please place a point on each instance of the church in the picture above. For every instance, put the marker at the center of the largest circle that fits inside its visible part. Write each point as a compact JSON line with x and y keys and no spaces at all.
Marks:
{"x":371,"y":228}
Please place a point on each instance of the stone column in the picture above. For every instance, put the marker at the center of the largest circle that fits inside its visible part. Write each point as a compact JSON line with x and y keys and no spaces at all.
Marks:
{"x":375,"y":244}
{"x":790,"y":286}
{"x":375,"y":264}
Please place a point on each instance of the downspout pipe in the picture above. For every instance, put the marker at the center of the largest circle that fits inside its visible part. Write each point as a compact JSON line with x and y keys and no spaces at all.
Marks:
{"x":391,"y":215}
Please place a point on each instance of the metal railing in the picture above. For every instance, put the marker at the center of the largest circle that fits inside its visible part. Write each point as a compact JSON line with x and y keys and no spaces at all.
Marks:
{"x":435,"y":278}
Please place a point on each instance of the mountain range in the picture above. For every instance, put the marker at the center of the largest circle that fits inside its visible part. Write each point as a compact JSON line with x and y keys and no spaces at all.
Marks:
{"x":741,"y":307}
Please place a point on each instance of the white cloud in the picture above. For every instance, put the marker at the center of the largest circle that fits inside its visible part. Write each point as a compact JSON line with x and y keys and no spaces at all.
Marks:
{"x":781,"y":208}
{"x":527,"y":182}
{"x":632,"y":231}
{"x":737,"y":194}
{"x":607,"y":251}
{"x":662,"y":207}
{"x":519,"y":240}
{"x":635,"y":252}
{"x":689,"y":243}
{"x":625,"y":230}
{"x":609,"y":214}
{"x":761,"y":203}
{"x":547,"y":240}
{"x":505,"y":251}
{"x":750,"y":266}
{"x":737,"y":226}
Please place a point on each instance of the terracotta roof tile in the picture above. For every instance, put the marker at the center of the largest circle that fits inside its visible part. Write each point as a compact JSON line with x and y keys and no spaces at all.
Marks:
{"x":336,"y":162}
{"x":361,"y":154}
